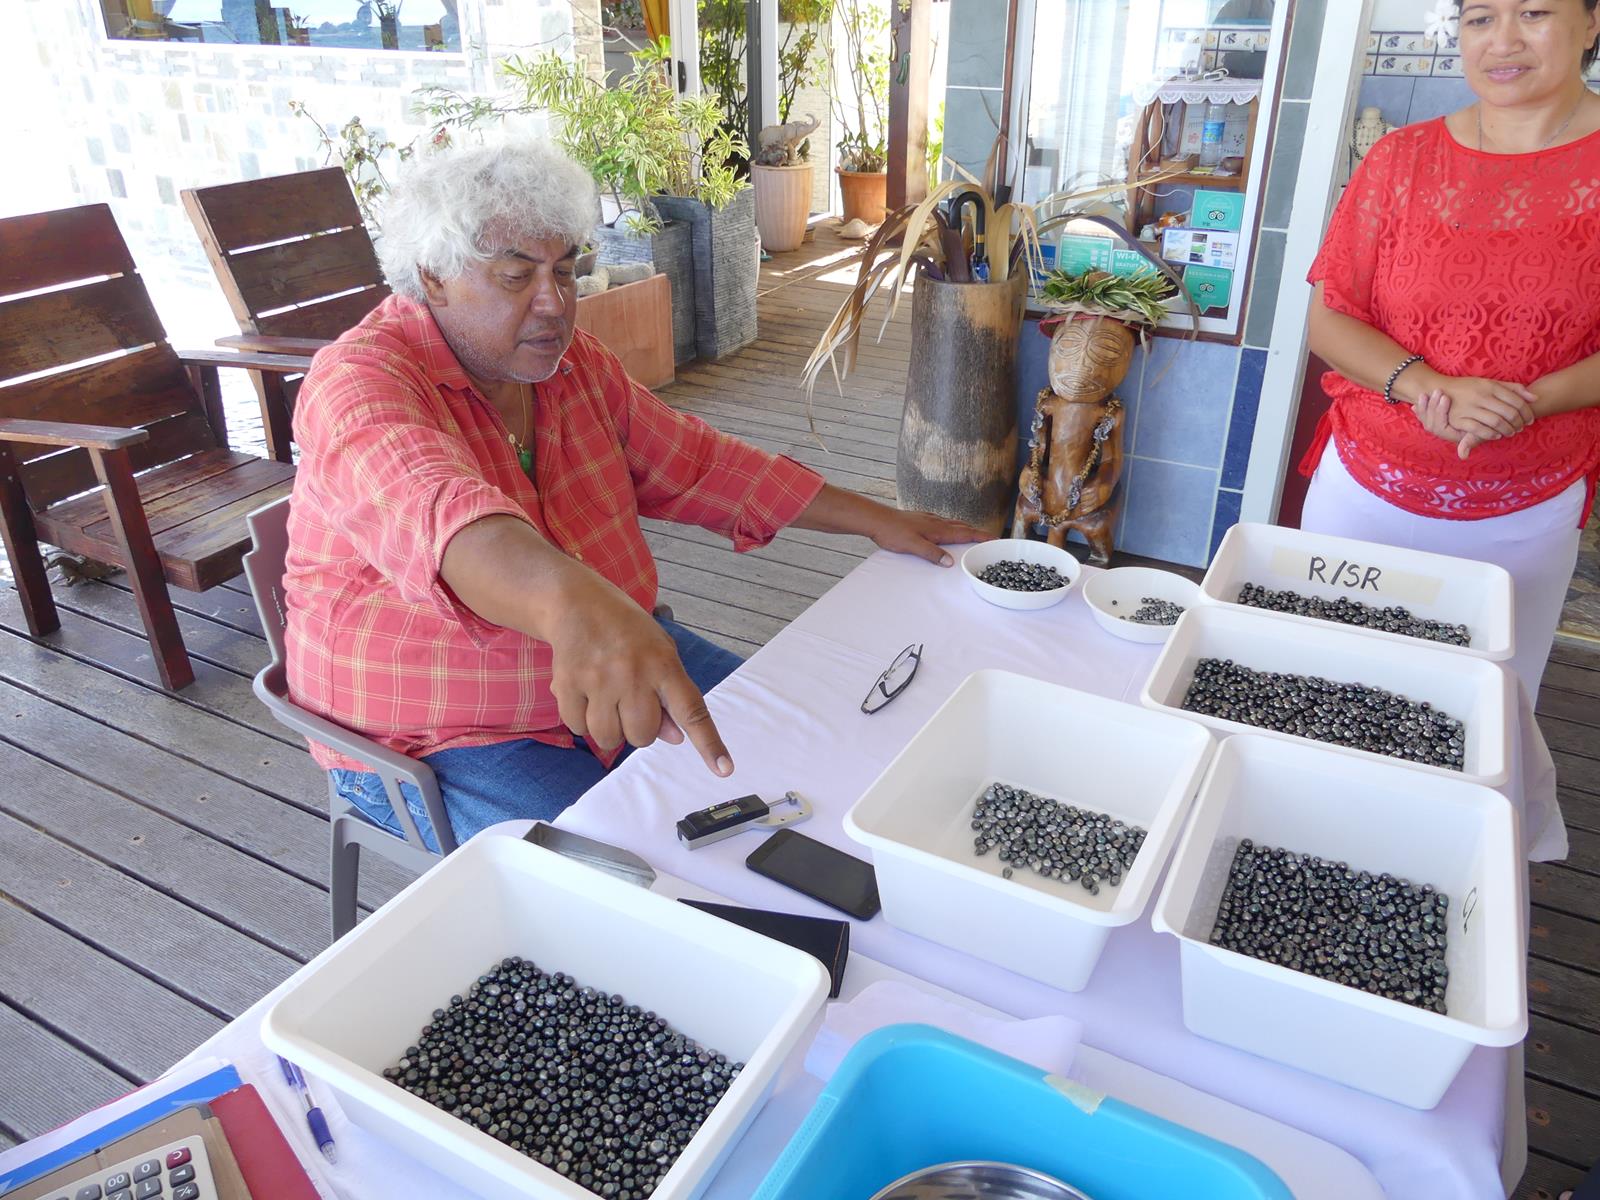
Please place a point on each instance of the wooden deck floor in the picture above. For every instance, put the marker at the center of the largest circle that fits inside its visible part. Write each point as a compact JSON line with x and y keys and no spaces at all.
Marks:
{"x":162,"y":857}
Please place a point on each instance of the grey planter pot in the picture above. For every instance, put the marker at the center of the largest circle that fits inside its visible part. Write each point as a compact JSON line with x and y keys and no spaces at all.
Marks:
{"x":670,"y":250}
{"x":727,"y":267}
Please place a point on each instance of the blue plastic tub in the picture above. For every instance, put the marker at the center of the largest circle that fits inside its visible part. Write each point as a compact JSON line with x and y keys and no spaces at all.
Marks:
{"x":910,"y":1096}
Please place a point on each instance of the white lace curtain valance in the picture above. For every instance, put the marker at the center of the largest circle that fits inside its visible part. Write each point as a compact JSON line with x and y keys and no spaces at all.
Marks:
{"x":1198,"y":91}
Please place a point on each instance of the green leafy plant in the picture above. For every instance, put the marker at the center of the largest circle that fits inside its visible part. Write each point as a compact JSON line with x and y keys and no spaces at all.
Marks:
{"x":448,"y":111}
{"x":863,"y":141}
{"x":637,"y":138}
{"x":799,"y":65}
{"x":622,"y":14}
{"x":723,"y":43}
{"x":935,"y":146}
{"x":362,"y":153}
{"x":929,"y":238}
{"x":1140,"y":299}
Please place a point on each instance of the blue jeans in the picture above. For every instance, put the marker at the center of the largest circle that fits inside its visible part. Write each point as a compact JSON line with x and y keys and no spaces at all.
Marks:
{"x":483,"y":785}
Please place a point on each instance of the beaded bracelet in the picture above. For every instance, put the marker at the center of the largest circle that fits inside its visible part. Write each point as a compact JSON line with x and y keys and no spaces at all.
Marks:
{"x":1388,"y":388}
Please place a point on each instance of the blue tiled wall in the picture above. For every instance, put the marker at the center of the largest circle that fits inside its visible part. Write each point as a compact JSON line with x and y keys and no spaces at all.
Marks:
{"x":1405,"y":101}
{"x":1191,"y":409}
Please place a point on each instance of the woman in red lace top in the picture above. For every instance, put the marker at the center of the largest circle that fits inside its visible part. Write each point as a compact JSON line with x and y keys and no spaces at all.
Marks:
{"x":1460,"y":282}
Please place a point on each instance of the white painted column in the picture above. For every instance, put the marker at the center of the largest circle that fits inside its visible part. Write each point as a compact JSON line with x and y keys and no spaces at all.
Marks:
{"x":767,"y":102}
{"x":683,"y":16}
{"x":1333,"y":97}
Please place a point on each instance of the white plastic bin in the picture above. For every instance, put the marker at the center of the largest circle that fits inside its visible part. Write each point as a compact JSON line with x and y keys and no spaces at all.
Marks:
{"x":1433,"y":586}
{"x":1459,"y":837}
{"x":1137,"y":766}
{"x":363,"y":1001}
{"x":1472,"y":690}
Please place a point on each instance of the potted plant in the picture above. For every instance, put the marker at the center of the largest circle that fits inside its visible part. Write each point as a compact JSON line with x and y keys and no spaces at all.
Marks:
{"x":780,"y":174}
{"x":297,"y":28}
{"x":973,"y":260}
{"x":661,"y":161}
{"x":388,"y":22}
{"x":862,"y":115}
{"x":958,"y":433}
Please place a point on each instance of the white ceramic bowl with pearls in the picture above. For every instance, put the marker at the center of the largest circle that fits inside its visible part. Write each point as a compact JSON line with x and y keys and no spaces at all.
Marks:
{"x":986,"y":554}
{"x":1115,"y":595}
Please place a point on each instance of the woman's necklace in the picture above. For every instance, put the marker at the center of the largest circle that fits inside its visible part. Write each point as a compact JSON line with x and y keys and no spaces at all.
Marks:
{"x":1549,"y":141}
{"x":524,"y":454}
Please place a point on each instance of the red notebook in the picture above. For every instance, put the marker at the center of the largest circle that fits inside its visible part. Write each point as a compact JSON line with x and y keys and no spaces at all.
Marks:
{"x":270,"y":1169}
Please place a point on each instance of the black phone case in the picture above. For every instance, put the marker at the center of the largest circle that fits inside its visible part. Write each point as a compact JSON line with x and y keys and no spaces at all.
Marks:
{"x":826,"y":940}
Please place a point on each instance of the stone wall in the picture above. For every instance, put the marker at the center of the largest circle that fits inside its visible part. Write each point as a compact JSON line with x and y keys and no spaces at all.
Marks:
{"x":134,"y":123}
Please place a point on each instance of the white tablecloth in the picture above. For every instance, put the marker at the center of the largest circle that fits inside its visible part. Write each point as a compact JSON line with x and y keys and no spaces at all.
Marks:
{"x":370,"y":1168}
{"x":791,"y":720}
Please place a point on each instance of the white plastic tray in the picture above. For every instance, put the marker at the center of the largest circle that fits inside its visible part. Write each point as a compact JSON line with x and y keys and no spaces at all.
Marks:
{"x":1473,"y":690}
{"x":363,"y":1001}
{"x":1459,"y":837}
{"x":1137,"y":766}
{"x":1435,"y":586}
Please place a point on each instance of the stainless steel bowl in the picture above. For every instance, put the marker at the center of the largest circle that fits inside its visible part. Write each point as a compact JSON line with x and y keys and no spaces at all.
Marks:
{"x":978,"y":1181}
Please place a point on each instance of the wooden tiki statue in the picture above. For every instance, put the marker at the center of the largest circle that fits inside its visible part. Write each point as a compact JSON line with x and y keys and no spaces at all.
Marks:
{"x":1075,"y":455}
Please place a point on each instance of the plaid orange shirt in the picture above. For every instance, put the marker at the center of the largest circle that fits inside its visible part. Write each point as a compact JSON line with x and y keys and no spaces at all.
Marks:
{"x":399,"y":452}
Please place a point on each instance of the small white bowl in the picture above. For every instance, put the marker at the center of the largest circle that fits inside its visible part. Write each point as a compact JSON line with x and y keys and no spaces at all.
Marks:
{"x":1115,"y":593}
{"x":986,"y":554}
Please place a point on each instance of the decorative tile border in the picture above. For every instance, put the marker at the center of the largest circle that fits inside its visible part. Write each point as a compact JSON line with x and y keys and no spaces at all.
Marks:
{"x":1203,"y":46}
{"x":1413,"y":53}
{"x":1409,"y":52}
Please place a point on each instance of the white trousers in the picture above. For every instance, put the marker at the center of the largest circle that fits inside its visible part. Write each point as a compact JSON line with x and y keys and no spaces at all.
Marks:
{"x":1537,"y":545}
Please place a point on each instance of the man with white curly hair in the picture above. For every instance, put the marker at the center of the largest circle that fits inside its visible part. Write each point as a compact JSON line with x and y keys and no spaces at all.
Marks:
{"x":467,"y":581}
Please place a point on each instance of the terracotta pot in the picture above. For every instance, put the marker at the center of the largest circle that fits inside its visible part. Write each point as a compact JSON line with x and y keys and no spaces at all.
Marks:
{"x":1089,"y":356}
{"x":783,"y":202}
{"x":864,"y":194}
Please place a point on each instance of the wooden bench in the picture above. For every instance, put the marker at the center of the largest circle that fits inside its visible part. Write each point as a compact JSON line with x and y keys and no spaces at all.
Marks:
{"x":112,"y":444}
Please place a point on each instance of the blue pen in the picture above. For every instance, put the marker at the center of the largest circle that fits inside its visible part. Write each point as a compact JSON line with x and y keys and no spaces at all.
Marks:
{"x":314,"y":1117}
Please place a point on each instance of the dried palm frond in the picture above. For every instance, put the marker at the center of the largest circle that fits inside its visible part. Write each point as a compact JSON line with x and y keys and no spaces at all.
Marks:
{"x":913,"y":236}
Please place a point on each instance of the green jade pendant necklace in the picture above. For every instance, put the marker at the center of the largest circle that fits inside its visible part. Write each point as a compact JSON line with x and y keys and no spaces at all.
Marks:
{"x":524,"y":453}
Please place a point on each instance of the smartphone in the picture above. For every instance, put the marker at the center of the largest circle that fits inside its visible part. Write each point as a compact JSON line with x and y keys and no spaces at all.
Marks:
{"x":819,"y":871}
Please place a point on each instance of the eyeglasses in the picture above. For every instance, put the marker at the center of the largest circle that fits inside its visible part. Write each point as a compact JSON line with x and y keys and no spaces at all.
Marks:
{"x":894,"y":680}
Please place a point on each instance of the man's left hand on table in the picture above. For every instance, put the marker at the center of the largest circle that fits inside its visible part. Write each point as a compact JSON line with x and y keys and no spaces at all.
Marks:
{"x":925,"y":535}
{"x":837,"y":511}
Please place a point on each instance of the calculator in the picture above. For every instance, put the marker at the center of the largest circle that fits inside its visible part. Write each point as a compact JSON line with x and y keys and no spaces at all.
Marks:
{"x":176,"y":1170}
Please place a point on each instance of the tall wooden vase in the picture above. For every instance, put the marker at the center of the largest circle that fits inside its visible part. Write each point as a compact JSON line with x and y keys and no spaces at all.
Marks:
{"x":958,"y":437}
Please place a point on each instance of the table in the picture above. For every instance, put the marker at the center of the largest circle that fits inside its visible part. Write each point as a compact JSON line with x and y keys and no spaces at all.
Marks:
{"x":372,"y":1169}
{"x":791,"y":720}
